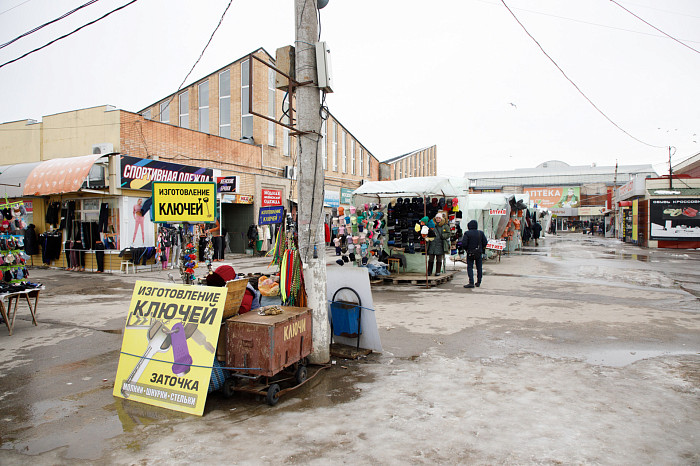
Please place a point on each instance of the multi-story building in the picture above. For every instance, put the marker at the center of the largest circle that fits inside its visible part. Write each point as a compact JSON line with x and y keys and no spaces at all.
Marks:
{"x":232,"y":103}
{"x":574,"y":194}
{"x":213,"y":125}
{"x":421,"y":162}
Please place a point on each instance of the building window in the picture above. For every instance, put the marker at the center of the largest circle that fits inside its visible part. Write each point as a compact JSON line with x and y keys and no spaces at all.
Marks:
{"x":271,"y":107}
{"x":246,"y":117}
{"x":165,"y":112}
{"x":414,"y":160}
{"x":147,"y":114}
{"x":335,"y":146}
{"x":361,"y":167}
{"x":225,"y":104}
{"x":203,"y":97}
{"x":343,"y":153}
{"x":352,"y":156}
{"x":396,"y":172}
{"x":184,"y":105}
{"x":324,"y":142}
{"x":369,"y":166}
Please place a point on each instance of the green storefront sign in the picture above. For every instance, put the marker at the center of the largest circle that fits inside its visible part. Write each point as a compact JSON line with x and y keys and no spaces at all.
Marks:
{"x":346,"y":196}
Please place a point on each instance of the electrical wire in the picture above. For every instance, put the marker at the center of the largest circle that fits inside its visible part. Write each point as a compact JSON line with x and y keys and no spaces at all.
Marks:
{"x":654,"y":27}
{"x":197,"y":61}
{"x":574,"y":84}
{"x":583,"y":22}
{"x":12,"y":8}
{"x":69,"y":34}
{"x":65,"y":15}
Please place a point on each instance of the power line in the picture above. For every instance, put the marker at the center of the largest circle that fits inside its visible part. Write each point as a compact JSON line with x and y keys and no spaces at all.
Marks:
{"x":69,"y":34}
{"x":585,"y":22}
{"x":65,"y":15}
{"x":652,"y":26}
{"x":199,"y":58}
{"x":573,"y":83}
{"x":12,"y":8}
{"x":665,"y":11}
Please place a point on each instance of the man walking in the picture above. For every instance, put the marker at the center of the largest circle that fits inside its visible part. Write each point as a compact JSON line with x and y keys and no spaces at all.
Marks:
{"x":474,"y":242}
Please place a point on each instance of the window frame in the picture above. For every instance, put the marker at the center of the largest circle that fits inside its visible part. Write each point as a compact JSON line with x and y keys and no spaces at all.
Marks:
{"x":226,"y":107}
{"x":203,"y":109}
{"x":186,"y":115}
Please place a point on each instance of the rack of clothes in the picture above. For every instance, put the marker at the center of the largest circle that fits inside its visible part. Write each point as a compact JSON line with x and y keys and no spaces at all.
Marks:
{"x":260,"y":238}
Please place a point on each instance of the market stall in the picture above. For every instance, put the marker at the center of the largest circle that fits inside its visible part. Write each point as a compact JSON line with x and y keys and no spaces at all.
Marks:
{"x":392,"y":214}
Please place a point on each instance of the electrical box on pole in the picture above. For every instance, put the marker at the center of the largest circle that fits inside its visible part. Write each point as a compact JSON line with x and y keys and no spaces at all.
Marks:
{"x":284,"y":61}
{"x":323,"y":67}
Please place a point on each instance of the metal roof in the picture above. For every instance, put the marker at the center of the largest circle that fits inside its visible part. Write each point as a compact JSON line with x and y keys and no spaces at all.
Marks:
{"x":558,"y":173}
{"x":13,"y":178}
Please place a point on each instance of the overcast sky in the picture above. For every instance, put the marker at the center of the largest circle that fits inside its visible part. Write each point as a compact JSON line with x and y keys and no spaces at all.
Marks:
{"x":460,"y":74}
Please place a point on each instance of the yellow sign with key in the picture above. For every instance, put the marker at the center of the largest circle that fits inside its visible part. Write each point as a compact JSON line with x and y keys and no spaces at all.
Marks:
{"x":184,"y":202}
{"x":169,"y":345}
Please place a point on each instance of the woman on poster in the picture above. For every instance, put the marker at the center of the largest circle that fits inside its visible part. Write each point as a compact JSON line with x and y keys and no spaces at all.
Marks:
{"x":138,"y":218}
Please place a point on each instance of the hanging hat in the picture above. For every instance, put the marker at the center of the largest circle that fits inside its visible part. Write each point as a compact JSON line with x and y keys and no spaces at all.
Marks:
{"x":424,"y":230}
{"x":424,"y":219}
{"x":352,"y":209}
{"x":431,"y":224}
{"x":341,"y":210}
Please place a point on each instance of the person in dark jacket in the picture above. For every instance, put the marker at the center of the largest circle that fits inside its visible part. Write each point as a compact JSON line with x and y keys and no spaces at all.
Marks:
{"x":474,"y":242}
{"x":536,"y":229}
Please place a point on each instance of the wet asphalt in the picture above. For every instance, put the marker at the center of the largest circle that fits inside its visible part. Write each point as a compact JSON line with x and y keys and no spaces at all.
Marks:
{"x":581,"y":350}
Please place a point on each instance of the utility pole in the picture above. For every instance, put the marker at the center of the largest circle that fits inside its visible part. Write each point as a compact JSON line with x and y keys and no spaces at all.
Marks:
{"x":670,"y":170}
{"x":311,"y":176}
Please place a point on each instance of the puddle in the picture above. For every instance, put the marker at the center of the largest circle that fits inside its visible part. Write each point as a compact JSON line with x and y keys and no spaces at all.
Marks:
{"x":624,"y":256}
{"x":619,"y":358}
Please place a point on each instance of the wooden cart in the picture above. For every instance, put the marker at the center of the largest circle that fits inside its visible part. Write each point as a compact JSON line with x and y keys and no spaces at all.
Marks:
{"x":268,"y":352}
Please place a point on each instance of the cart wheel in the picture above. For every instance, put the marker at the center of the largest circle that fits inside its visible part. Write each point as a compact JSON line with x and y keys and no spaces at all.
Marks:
{"x":300,"y":374}
{"x":272,"y":392}
{"x":229,"y":387}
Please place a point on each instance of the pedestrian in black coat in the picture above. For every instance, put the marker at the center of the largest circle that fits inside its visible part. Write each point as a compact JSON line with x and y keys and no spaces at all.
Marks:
{"x":31,"y":242}
{"x":474,"y":242}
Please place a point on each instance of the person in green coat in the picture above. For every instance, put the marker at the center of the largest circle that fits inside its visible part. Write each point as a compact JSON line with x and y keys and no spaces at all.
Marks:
{"x":439,"y":244}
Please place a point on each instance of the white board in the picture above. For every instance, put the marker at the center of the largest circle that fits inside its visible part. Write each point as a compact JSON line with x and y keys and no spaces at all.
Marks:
{"x":356,"y":278}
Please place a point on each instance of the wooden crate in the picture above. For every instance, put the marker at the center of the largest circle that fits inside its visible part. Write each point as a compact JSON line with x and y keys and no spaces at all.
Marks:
{"x":267,"y":344}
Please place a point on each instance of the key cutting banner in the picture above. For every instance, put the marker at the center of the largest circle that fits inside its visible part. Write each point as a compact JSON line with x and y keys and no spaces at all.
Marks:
{"x":175,"y":202}
{"x":171,"y":330}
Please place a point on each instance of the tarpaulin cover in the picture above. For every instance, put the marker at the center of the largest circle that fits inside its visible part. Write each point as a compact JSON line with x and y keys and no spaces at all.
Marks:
{"x":56,"y":176}
{"x":414,"y":187}
{"x":14,"y":177}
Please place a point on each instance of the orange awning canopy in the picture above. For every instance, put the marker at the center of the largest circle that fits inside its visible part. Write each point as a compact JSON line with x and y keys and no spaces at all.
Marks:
{"x":56,"y":176}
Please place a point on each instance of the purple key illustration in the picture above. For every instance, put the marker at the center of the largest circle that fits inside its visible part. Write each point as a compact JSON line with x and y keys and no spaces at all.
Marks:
{"x":181,"y":354}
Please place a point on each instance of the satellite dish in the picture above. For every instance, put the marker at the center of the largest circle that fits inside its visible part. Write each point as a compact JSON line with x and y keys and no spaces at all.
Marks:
{"x":321,"y":3}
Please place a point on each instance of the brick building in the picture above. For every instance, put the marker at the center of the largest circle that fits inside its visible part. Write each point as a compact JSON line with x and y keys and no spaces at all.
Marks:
{"x":421,"y":162}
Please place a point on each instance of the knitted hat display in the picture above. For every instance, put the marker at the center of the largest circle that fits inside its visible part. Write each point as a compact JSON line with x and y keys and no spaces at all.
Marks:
{"x":424,"y":220}
{"x":352,"y":209}
{"x":341,"y":211}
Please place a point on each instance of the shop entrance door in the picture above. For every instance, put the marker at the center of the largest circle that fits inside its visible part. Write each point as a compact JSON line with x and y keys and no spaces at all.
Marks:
{"x":236,"y":218}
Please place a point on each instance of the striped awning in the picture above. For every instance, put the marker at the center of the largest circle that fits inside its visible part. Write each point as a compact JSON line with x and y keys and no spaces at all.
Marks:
{"x":56,"y":176}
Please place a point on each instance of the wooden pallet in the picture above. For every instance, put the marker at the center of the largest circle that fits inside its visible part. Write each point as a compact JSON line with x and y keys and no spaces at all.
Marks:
{"x":418,"y":279}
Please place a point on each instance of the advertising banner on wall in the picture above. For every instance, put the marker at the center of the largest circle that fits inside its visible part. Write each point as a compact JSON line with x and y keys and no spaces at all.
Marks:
{"x":227,"y":184}
{"x":169,"y":344}
{"x":271,"y":197}
{"x":270,"y":215}
{"x":184,"y":202}
{"x":560,"y":196}
{"x":346,"y":196}
{"x":135,"y":224}
{"x":591,"y":210}
{"x":331,"y":198}
{"x":674,"y":219}
{"x":139,"y":173}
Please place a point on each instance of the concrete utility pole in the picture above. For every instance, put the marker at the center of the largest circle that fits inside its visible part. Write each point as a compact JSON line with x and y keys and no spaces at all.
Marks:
{"x":311,"y":177}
